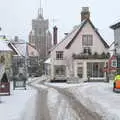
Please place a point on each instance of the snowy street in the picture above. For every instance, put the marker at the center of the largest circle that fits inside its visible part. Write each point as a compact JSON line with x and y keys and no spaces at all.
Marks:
{"x":61,"y":101}
{"x":42,"y":112}
{"x":74,"y":104}
{"x":60,"y":60}
{"x":73,"y":109}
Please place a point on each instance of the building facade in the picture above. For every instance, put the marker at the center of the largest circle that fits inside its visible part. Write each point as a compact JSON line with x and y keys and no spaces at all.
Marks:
{"x":82,"y":53}
{"x":6,"y":54}
{"x":26,"y":59}
{"x":116,"y":28}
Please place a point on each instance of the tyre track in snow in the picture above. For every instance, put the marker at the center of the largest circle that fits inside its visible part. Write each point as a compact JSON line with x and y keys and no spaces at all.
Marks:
{"x":81,"y":111}
{"x":42,"y":111}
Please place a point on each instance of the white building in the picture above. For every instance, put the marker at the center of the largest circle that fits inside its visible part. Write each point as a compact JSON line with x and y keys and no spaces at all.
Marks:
{"x":116,"y":28}
{"x":81,"y":53}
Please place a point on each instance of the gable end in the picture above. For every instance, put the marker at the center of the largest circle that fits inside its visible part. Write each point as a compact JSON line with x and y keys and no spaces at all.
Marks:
{"x":102,"y":40}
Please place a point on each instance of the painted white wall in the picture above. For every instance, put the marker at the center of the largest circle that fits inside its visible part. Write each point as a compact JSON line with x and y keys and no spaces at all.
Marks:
{"x":77,"y":44}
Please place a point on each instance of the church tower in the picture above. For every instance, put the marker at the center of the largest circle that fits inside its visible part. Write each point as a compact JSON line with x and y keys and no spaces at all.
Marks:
{"x":40,"y":37}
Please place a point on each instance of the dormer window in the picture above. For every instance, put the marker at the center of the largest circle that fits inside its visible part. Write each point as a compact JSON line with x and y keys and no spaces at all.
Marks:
{"x":59,"y":55}
{"x":87,"y":40}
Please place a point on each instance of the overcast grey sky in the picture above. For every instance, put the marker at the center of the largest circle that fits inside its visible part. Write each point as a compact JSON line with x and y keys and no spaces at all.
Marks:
{"x":16,"y":15}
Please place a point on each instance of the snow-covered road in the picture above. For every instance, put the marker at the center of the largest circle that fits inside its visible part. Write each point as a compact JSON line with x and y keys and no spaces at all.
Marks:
{"x":61,"y":101}
{"x":42,"y":112}
{"x":42,"y":108}
{"x":68,"y":107}
{"x":81,"y":112}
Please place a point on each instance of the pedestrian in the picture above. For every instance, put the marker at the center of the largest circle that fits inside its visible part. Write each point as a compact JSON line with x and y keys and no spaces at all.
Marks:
{"x":117,"y":78}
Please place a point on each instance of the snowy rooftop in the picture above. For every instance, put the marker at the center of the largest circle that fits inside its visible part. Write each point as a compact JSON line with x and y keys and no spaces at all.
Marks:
{"x":24,"y":49}
{"x":4,"y":46}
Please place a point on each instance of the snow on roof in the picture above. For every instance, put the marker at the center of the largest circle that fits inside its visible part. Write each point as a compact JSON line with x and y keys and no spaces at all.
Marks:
{"x":4,"y":46}
{"x":32,"y":51}
{"x":18,"y":53}
{"x":21,"y":48}
{"x":68,"y":36}
{"x":48,"y":61}
{"x":24,"y":50}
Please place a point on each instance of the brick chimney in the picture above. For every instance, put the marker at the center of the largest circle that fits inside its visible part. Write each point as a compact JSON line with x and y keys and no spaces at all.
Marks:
{"x":85,"y":14}
{"x":55,"y":35}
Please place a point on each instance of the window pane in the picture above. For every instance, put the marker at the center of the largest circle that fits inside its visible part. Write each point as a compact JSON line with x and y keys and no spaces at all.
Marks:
{"x":95,"y":69}
{"x":60,"y":69}
{"x":87,"y":40}
{"x":87,"y":50}
{"x":59,"y":55}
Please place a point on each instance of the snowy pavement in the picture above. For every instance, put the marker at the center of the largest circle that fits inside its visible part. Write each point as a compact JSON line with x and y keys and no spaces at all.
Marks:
{"x":49,"y":103}
{"x":18,"y":105}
